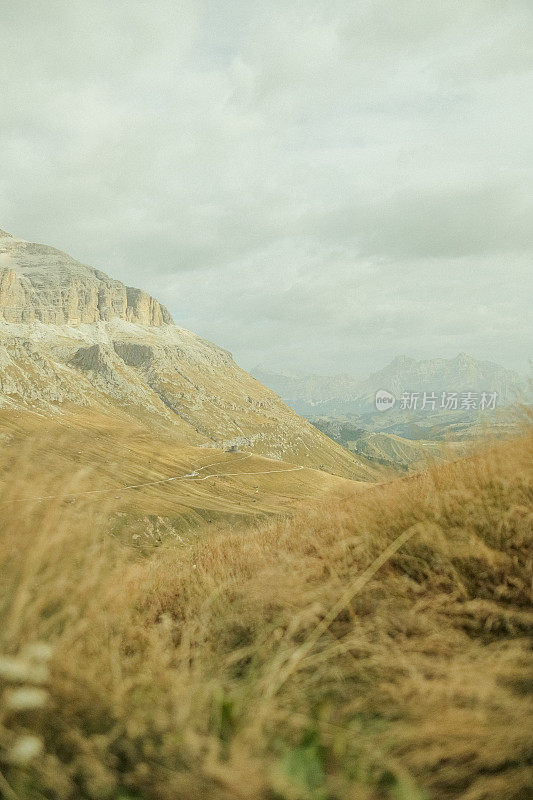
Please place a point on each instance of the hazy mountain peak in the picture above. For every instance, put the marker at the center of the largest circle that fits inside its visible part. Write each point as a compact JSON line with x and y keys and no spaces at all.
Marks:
{"x":402,"y":361}
{"x":461,"y":373}
{"x":338,"y":394}
{"x":465,"y":358}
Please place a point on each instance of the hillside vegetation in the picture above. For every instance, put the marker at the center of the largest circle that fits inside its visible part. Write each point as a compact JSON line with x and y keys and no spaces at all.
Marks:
{"x":390,"y":450}
{"x":160,"y":486}
{"x":374,"y":646}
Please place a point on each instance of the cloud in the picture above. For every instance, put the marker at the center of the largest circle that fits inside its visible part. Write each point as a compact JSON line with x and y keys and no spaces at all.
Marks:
{"x":310,"y":183}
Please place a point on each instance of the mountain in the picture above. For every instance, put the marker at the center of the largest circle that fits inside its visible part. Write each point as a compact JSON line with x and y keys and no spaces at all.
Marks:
{"x":339,"y":395}
{"x":40,"y":283}
{"x":460,"y":374}
{"x":311,"y":394}
{"x":72,"y":338}
{"x":406,"y":437}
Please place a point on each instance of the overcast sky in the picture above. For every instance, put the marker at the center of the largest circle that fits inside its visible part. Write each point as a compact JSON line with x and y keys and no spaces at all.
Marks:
{"x":312,"y":185}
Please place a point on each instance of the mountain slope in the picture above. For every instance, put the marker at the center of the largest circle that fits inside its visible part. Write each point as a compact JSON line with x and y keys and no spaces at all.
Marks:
{"x":160,"y":489}
{"x":388,"y":448}
{"x":125,"y":356}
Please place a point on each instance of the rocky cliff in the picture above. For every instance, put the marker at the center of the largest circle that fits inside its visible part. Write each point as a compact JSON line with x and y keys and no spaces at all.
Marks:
{"x":39,"y":283}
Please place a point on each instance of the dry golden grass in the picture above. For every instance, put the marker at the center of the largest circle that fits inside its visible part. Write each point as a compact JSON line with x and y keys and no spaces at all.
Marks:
{"x":107,"y":454}
{"x":376,"y":647}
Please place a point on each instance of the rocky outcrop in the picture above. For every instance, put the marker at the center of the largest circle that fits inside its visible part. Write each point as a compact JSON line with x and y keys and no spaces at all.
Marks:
{"x":134,"y":354}
{"x":93,"y":358}
{"x":39,"y":283}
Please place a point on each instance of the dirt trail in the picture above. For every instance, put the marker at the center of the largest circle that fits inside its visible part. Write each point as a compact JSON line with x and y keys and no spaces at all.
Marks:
{"x":189,"y":476}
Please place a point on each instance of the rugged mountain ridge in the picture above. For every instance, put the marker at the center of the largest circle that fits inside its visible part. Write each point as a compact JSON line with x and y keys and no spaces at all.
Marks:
{"x":40,"y":283}
{"x":343,"y":394}
{"x":460,"y":374}
{"x":124,"y":355}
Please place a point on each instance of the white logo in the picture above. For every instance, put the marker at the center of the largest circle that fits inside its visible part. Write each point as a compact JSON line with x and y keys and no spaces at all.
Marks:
{"x":384,"y":400}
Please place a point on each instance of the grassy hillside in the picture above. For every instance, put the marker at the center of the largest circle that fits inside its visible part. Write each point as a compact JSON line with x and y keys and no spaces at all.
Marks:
{"x":165,"y":378}
{"x":391,"y":450}
{"x":374,"y":647}
{"x":402,"y":441}
{"x":160,"y":488}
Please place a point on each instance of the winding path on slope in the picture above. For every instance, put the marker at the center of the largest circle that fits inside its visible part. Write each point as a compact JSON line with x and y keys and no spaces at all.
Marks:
{"x":189,"y":476}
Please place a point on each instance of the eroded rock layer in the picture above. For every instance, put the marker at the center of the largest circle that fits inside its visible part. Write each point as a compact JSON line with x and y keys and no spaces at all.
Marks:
{"x":40,"y":283}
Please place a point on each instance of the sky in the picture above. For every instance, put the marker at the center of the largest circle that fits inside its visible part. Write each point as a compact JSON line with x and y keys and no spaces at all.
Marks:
{"x":316,"y":186}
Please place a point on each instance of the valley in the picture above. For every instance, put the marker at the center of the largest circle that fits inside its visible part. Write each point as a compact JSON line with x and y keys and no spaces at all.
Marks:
{"x":407,"y":438}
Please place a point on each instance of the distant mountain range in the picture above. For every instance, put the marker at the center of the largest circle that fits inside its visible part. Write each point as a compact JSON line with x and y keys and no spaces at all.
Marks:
{"x":337,"y":395}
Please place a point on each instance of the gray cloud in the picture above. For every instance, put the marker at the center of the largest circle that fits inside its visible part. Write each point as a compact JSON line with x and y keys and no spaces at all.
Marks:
{"x":314,"y":184}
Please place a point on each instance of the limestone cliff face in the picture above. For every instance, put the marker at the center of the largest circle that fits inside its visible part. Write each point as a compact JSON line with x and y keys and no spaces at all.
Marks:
{"x":39,"y":283}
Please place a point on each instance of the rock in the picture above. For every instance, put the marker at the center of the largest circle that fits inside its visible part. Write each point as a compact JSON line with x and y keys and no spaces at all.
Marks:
{"x":93,"y":358}
{"x":40,"y":283}
{"x":134,"y":354}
